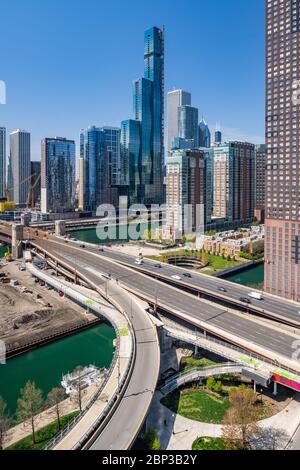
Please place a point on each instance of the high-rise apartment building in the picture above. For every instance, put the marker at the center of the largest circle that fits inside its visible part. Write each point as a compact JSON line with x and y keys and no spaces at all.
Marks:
{"x":57,"y":174}
{"x":2,"y":161}
{"x":176,"y":99}
{"x":19,"y":171}
{"x":234,"y":186}
{"x":260,"y":176}
{"x":188,"y":191}
{"x":93,"y":169}
{"x":282,"y":229}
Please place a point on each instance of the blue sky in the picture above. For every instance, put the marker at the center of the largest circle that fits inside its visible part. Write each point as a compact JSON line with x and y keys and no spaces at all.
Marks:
{"x":68,"y":64}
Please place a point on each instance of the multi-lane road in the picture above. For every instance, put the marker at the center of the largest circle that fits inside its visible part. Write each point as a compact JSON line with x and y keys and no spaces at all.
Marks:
{"x":281,"y":309}
{"x":252,"y":334}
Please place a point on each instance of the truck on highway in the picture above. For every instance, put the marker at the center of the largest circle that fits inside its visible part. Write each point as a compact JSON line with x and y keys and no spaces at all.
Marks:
{"x":256,"y":295}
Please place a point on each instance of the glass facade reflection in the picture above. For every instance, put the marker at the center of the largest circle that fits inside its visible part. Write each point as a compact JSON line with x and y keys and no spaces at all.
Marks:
{"x":57,"y":175}
{"x":93,"y":164}
{"x":112,"y":140}
{"x":130,"y":159}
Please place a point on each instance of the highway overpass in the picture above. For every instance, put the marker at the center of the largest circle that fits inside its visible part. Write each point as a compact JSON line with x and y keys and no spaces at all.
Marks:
{"x":255,"y":336}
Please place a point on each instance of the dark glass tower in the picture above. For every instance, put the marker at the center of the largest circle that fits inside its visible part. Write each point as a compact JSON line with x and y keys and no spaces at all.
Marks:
{"x":142,"y":145}
{"x":154,"y":71}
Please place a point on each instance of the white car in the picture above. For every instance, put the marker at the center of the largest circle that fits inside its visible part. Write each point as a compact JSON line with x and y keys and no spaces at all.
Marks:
{"x":139,"y":262}
{"x":178,"y":278}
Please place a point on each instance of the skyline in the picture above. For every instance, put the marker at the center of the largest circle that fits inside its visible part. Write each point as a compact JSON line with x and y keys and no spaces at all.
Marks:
{"x":79,"y":98}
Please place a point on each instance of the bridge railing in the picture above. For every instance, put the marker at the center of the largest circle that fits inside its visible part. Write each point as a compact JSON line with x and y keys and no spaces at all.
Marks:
{"x":197,"y":338}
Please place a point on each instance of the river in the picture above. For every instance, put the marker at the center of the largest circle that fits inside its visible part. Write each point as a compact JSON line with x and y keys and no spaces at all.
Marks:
{"x":252,"y":277}
{"x":46,"y":365}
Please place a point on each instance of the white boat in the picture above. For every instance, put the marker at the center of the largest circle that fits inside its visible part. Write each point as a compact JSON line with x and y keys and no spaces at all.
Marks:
{"x":85,"y":378}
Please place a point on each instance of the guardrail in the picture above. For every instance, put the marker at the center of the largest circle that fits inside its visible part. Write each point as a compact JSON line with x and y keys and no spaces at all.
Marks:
{"x":196,"y":340}
{"x":198,"y":372}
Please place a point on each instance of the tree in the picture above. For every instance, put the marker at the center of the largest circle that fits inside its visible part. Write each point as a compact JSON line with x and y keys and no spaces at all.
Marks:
{"x":4,"y":422}
{"x":152,"y":441}
{"x":211,"y":383}
{"x":241,"y":426}
{"x":30,"y":404}
{"x":78,"y":387}
{"x":54,"y":399}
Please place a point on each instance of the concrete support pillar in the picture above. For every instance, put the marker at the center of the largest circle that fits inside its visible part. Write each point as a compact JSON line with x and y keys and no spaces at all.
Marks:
{"x":254,"y":386}
{"x":196,"y":350}
{"x":275,"y":392}
{"x":17,"y":239}
{"x":25,"y":219}
{"x":60,"y":228}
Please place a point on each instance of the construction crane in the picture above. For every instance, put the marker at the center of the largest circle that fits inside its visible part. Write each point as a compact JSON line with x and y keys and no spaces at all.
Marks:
{"x":30,"y":195}
{"x":8,"y":190}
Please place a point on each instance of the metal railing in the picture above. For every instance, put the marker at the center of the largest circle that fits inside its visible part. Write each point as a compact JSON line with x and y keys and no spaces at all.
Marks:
{"x":196,"y":339}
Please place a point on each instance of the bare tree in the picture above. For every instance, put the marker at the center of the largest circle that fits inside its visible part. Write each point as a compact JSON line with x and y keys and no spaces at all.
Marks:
{"x":30,"y":404}
{"x":241,"y":426}
{"x":78,"y":386}
{"x":54,"y":399}
{"x":5,"y":422}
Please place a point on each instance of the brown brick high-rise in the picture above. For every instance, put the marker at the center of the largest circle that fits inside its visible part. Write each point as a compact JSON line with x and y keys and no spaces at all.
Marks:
{"x":282,"y":243}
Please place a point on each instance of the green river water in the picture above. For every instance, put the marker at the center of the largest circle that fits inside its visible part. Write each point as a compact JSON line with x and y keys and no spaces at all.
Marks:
{"x":46,"y":365}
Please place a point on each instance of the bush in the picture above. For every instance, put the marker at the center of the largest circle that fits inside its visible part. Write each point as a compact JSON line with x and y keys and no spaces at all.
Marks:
{"x":152,"y":441}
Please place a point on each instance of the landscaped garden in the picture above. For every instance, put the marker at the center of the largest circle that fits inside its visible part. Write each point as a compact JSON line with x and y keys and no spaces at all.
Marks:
{"x":214,"y":263}
{"x":208,"y":403}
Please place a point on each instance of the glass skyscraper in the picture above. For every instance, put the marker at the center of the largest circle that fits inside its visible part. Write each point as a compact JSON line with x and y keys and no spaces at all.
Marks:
{"x":154,"y":71}
{"x":57,"y":175}
{"x":112,"y":140}
{"x":144,"y":156}
{"x":2,"y":161}
{"x":93,"y":168}
{"x":188,"y":123}
{"x":204,"y":135}
{"x":130,"y":159}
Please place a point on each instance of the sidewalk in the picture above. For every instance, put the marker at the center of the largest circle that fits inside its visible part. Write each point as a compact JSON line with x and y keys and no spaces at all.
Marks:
{"x":178,"y":433}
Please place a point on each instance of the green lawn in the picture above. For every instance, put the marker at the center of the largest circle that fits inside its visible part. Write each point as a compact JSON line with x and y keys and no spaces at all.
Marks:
{"x":187,"y":363}
{"x":43,"y":436}
{"x":215,"y":263}
{"x":208,"y":443}
{"x":198,"y":405}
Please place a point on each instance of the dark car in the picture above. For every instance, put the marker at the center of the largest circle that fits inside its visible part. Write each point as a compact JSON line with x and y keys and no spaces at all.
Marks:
{"x":101,"y":249}
{"x":82,"y":246}
{"x":187,"y":275}
{"x":245,"y":300}
{"x":157,"y":266}
{"x":222,"y":289}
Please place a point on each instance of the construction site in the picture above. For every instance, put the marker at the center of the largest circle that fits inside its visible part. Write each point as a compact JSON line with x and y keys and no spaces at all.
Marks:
{"x":32,"y":313}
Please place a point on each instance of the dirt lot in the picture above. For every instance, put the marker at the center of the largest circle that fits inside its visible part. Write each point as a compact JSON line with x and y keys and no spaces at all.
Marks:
{"x":29,"y":311}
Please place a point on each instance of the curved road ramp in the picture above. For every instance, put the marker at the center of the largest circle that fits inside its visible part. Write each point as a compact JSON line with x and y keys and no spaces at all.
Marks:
{"x":115,"y":414}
